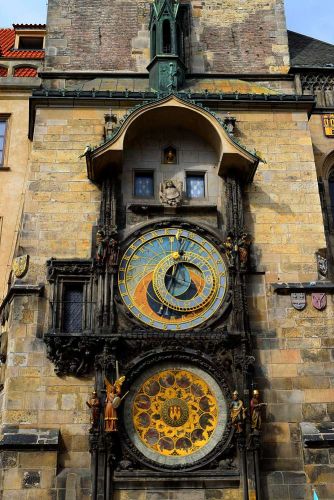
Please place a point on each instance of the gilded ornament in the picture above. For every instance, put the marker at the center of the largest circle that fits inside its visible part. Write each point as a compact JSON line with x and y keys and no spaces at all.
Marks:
{"x":238,"y":412}
{"x":175,"y":412}
{"x":20,"y":266}
{"x":256,"y":409}
{"x":112,"y":402}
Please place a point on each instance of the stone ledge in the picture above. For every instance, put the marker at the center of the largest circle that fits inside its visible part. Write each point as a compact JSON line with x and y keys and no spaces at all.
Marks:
{"x":317,"y":435}
{"x":309,"y":286}
{"x":14,"y":438}
{"x":191,"y":480}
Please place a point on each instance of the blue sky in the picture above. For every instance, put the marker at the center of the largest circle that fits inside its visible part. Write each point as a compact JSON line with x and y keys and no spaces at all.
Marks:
{"x":311,"y":17}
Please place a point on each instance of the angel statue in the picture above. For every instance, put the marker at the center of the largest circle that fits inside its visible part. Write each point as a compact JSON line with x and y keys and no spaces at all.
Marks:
{"x":112,"y":402}
{"x":170,"y":192}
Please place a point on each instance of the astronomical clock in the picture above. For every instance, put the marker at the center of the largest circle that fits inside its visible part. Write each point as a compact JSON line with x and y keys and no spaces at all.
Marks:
{"x":172,"y":279}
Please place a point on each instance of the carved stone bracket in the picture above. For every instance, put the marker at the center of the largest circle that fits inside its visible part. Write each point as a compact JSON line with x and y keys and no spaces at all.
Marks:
{"x":72,"y":355}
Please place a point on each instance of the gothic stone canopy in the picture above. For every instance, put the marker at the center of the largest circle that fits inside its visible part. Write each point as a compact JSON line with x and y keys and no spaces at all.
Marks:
{"x":173,"y":111}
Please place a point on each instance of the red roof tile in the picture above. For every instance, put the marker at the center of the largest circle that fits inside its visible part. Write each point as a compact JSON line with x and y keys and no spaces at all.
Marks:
{"x":7,"y":41}
{"x":25,"y":71}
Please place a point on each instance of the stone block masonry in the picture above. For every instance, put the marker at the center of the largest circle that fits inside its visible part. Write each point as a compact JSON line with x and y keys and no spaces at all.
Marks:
{"x":224,"y":36}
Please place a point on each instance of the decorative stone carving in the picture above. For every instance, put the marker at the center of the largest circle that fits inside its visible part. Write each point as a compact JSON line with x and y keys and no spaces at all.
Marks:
{"x":107,"y":247}
{"x":322,"y":264}
{"x":298,"y":300}
{"x":170,"y":192}
{"x":109,"y":125}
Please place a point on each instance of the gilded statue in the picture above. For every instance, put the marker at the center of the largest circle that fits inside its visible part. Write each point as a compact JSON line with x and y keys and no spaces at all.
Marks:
{"x":94,"y":405}
{"x":170,"y":192}
{"x":112,"y":402}
{"x":229,"y":249}
{"x":238,"y":412}
{"x":256,"y":411}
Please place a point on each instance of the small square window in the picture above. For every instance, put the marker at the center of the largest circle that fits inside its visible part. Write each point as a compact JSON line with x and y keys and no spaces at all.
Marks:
{"x":144,"y":184}
{"x":3,"y":126}
{"x":195,"y":185}
{"x":31,"y":42}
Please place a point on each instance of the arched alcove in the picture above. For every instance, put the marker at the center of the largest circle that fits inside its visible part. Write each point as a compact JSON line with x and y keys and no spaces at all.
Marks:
{"x":174,"y":113}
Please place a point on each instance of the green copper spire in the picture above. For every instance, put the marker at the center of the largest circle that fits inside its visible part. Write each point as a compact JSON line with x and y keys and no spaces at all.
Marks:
{"x":167,"y":68}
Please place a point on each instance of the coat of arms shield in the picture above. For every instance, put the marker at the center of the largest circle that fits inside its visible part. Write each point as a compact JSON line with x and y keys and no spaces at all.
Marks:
{"x":298,"y":300}
{"x":20,"y":266}
{"x":319,"y":301}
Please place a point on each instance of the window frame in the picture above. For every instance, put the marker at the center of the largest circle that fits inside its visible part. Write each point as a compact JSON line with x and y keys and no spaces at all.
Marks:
{"x":31,"y":36}
{"x":196,"y":173}
{"x":142,"y":171}
{"x":5,"y":117}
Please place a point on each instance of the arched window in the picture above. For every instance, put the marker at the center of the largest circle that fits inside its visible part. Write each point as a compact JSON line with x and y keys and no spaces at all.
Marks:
{"x":154,"y":42}
{"x":166,"y":37}
{"x":25,"y":71}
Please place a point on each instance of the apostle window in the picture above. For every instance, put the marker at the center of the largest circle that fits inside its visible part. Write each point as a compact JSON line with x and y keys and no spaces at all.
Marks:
{"x":144,"y":184}
{"x":195,"y":185}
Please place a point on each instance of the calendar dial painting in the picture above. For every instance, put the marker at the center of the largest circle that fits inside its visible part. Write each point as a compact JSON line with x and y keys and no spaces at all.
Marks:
{"x":175,"y":414}
{"x":172,"y":279}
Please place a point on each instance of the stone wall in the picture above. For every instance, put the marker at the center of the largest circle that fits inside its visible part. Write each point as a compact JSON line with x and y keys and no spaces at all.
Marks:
{"x":293,"y":348}
{"x":223,"y":37}
{"x":12,"y":178}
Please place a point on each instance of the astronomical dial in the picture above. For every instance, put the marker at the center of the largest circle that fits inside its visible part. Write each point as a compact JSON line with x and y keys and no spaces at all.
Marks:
{"x":172,"y":279}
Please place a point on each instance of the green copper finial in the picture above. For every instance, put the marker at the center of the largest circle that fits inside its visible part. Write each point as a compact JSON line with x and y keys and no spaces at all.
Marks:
{"x":167,"y":68}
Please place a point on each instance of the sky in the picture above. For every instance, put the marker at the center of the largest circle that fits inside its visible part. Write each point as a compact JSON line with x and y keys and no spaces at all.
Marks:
{"x":310,"y":17}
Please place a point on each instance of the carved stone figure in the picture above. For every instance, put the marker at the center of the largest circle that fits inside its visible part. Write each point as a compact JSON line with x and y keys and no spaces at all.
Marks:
{"x":256,"y":411}
{"x":106,"y":248}
{"x":172,"y":77}
{"x":109,"y":126}
{"x":112,"y":402}
{"x":94,"y":404}
{"x":243,"y":249}
{"x":171,"y":192}
{"x":229,"y":249}
{"x":238,"y":412}
{"x":322,"y":264}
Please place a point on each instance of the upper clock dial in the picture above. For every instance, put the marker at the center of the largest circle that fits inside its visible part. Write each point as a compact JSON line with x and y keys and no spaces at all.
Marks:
{"x":172,"y":279}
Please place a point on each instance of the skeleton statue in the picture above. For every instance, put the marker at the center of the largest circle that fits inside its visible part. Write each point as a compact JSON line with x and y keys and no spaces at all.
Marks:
{"x":171,"y":192}
{"x":244,"y":243}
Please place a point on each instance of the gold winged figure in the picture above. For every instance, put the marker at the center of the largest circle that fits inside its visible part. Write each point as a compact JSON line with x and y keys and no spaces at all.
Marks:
{"x":112,"y":402}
